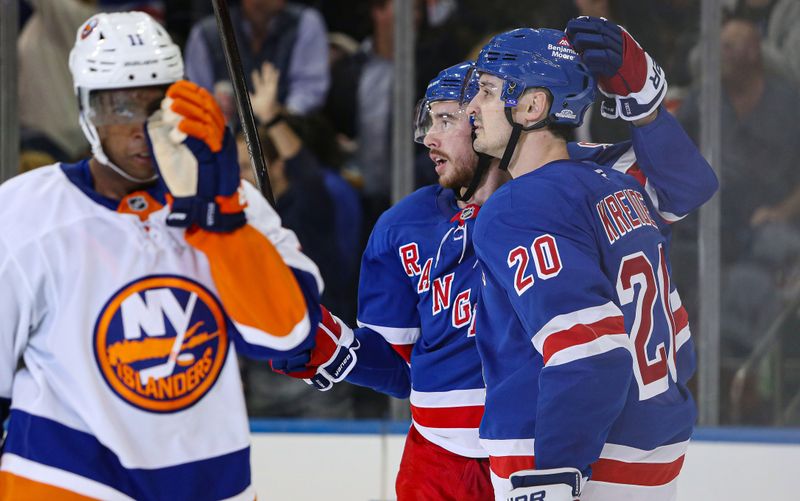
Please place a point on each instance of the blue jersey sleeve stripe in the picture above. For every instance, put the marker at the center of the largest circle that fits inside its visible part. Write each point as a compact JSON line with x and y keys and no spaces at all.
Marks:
{"x":50,"y":443}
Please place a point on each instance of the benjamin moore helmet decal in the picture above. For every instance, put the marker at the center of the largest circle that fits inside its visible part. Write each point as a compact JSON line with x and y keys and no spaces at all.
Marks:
{"x":160,"y":342}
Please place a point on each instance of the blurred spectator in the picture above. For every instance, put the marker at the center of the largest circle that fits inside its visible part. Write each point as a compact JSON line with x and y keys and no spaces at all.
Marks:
{"x":778,"y":22}
{"x":318,"y":135}
{"x":373,"y":103}
{"x":45,"y":88}
{"x":760,"y":148}
{"x":760,"y":197}
{"x":302,"y":199}
{"x":360,"y":104}
{"x":290,"y":36}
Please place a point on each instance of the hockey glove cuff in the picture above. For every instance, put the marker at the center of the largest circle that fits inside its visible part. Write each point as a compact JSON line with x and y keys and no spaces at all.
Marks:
{"x":195,"y":154}
{"x":625,"y":73}
{"x":331,"y":359}
{"x":557,"y":484}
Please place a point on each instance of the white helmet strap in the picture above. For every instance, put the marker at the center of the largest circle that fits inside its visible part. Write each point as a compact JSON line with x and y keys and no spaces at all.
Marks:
{"x":97,"y":150}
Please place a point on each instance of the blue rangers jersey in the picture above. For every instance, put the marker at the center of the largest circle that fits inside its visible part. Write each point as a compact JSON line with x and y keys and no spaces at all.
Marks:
{"x":585,"y":345}
{"x":420,"y":281}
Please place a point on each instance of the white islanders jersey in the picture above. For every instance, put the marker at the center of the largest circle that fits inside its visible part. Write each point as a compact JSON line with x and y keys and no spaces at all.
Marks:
{"x":117,"y":356}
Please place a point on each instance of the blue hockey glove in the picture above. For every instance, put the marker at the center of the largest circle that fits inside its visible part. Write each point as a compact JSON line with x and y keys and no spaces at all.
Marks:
{"x":195,"y":154}
{"x":329,"y":361}
{"x":557,"y":484}
{"x":624,"y":71}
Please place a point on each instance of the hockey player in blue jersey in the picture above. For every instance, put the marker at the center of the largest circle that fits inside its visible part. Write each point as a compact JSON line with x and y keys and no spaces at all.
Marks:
{"x":419,"y":282}
{"x":584,"y":344}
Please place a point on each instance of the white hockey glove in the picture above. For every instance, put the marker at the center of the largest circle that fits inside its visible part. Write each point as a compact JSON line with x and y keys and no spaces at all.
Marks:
{"x":331,"y":359}
{"x":625,"y":73}
{"x":195,"y":154}
{"x":557,"y":484}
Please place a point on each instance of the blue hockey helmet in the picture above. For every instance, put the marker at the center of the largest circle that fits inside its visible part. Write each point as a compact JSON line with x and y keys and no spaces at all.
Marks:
{"x":528,"y":58}
{"x":449,"y":85}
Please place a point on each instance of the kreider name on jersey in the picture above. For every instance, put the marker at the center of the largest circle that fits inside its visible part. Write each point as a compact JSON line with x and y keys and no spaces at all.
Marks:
{"x":622,"y":212}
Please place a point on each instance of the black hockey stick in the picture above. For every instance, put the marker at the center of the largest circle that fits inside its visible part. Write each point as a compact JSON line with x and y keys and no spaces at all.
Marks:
{"x":242,"y":96}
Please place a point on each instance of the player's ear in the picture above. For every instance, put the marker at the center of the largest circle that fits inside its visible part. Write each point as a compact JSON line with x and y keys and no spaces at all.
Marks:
{"x":534,"y":105}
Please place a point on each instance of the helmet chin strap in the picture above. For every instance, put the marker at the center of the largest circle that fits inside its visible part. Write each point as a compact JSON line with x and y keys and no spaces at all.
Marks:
{"x":516,"y":130}
{"x":97,"y":150}
{"x":481,"y":169}
{"x":101,"y":157}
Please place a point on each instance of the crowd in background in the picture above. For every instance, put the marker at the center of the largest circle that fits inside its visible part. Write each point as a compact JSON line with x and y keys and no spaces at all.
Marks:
{"x":321,"y":74}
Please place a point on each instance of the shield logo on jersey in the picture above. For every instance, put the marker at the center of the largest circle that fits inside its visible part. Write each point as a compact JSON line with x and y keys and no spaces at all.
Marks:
{"x":137,"y":203}
{"x":160,"y":342}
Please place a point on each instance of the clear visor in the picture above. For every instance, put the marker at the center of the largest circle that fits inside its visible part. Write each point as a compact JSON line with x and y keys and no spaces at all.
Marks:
{"x":470,"y":87}
{"x":482,"y":85}
{"x":439,"y":117}
{"x":124,"y":106}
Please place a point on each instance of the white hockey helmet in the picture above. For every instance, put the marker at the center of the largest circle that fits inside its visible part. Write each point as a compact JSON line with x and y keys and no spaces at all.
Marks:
{"x":120,"y":50}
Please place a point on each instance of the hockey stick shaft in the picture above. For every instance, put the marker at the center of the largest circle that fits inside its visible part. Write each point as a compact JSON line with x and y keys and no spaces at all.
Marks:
{"x":242,"y":96}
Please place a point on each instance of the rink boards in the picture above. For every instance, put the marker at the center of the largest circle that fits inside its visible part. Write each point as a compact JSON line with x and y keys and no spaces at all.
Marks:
{"x":358,"y":461}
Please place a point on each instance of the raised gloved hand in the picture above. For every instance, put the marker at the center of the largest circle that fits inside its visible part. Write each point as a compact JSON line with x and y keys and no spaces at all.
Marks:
{"x":624,"y":71}
{"x":329,"y":361}
{"x":557,"y":484}
{"x":195,"y":154}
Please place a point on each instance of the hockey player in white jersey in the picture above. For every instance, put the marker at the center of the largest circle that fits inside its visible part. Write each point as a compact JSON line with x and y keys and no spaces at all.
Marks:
{"x":121,"y":317}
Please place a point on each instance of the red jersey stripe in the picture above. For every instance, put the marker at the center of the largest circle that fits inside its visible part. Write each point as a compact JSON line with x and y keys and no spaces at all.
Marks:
{"x":637,"y":173}
{"x":645,"y":474}
{"x":681,"y":319}
{"x":404,"y":350}
{"x":448,"y":417}
{"x":582,"y":333}
{"x":604,"y":470}
{"x":504,"y":466}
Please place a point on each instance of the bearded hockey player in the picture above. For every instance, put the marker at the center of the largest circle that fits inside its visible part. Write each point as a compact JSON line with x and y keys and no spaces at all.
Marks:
{"x":584,"y":343}
{"x":117,"y":357}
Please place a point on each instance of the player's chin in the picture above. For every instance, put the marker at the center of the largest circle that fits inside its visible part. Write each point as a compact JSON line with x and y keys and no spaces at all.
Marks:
{"x":454,"y":181}
{"x":140,"y":166}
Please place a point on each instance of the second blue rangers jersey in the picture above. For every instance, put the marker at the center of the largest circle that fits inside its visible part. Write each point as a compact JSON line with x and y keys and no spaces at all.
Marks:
{"x":585,"y":346}
{"x":420,"y":280}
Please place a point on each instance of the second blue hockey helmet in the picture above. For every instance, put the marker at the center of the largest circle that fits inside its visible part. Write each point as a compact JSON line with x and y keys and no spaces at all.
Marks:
{"x":449,"y":85}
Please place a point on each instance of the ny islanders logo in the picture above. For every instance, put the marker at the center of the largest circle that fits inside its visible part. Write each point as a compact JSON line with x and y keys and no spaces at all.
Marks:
{"x":88,"y":28}
{"x":160,"y":343}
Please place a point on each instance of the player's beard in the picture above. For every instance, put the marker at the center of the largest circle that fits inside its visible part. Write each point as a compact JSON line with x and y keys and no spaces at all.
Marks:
{"x":458,"y":171}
